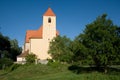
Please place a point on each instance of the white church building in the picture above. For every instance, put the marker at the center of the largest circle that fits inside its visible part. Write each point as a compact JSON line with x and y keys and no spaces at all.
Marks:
{"x":37,"y":41}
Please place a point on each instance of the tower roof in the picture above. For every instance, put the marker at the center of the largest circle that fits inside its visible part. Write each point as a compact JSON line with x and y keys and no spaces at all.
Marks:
{"x":49,"y":12}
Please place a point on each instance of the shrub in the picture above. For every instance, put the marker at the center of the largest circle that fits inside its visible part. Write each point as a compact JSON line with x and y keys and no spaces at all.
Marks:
{"x":5,"y":63}
{"x":55,"y":64}
{"x":30,"y":58}
{"x":13,"y":67}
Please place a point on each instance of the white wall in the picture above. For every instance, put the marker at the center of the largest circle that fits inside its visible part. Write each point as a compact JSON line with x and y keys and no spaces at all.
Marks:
{"x":49,"y":29}
{"x":20,"y":59}
{"x":23,"y":48}
{"x":27,"y":46}
{"x":40,"y":48}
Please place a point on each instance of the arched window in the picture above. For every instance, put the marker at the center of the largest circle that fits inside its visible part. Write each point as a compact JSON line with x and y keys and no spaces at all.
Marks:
{"x":49,"y":20}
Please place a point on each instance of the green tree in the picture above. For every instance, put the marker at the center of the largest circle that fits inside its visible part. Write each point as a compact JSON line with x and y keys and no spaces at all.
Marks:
{"x":4,"y":46}
{"x":9,"y":49}
{"x":79,"y":51}
{"x":60,"y":50}
{"x":15,"y":49}
{"x":30,"y":58}
{"x":5,"y":63}
{"x":101,"y":39}
{"x":117,"y":47}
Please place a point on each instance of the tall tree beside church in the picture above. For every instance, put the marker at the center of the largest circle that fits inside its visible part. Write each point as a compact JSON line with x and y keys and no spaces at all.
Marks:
{"x":60,"y":50}
{"x":117,"y":47}
{"x":4,"y":46}
{"x":4,"y":52}
{"x":9,"y":48}
{"x":101,"y":39}
{"x":15,"y":49}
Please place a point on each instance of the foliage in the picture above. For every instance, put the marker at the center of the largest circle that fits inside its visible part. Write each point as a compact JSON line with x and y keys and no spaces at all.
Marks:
{"x":79,"y":50}
{"x":54,"y":64}
{"x":13,"y":67}
{"x":60,"y":50}
{"x":5,"y":63}
{"x":15,"y":49}
{"x":4,"y":45}
{"x":101,"y":42}
{"x":30,"y":58}
{"x":9,"y":48}
{"x":97,"y":46}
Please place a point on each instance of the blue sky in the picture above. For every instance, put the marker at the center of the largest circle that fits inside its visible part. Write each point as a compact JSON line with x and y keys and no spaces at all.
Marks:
{"x":17,"y":16}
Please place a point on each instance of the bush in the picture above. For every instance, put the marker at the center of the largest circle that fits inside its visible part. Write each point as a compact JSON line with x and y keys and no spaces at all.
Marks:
{"x":5,"y":63}
{"x":50,"y":60}
{"x":55,"y":64}
{"x":13,"y":67}
{"x":30,"y":58}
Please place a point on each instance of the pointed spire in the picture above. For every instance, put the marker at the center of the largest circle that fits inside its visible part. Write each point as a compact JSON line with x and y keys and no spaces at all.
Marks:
{"x":49,"y":12}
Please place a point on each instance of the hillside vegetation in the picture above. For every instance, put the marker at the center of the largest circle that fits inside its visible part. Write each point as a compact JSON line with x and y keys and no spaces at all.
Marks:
{"x":55,"y":71}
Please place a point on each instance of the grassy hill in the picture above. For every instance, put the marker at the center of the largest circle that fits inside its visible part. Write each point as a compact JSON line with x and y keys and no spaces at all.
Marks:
{"x":54,"y":72}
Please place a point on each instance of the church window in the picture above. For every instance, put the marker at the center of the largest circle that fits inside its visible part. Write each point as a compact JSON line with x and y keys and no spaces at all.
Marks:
{"x":49,"y":20}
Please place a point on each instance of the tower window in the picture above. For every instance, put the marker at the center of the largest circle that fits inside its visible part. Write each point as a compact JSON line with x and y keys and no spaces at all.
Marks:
{"x":49,"y":20}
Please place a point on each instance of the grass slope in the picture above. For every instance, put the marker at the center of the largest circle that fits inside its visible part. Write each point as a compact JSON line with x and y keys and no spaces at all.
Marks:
{"x":53,"y":72}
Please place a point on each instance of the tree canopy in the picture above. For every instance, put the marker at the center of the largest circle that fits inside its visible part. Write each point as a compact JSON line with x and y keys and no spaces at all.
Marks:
{"x":60,"y":50}
{"x":101,"y":40}
{"x":9,"y":50}
{"x":4,"y":45}
{"x":98,"y":45}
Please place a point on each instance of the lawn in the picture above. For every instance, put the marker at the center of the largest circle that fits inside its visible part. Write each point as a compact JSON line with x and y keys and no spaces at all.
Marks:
{"x":55,"y":72}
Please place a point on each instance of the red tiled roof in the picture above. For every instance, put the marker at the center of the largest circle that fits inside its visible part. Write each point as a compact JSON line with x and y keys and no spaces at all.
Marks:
{"x":23,"y":54}
{"x":49,"y":12}
{"x":34,"y":34}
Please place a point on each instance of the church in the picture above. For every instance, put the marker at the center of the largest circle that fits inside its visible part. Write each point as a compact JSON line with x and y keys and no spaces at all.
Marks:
{"x":37,"y":41}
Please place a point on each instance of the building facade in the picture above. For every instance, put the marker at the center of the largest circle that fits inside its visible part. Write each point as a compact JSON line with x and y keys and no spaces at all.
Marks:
{"x":37,"y":41}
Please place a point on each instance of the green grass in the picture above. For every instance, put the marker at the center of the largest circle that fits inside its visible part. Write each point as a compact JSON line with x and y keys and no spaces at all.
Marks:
{"x":54,"y":72}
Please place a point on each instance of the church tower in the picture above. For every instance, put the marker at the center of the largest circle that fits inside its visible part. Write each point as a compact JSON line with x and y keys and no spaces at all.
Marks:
{"x":49,"y":25}
{"x":38,"y":41}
